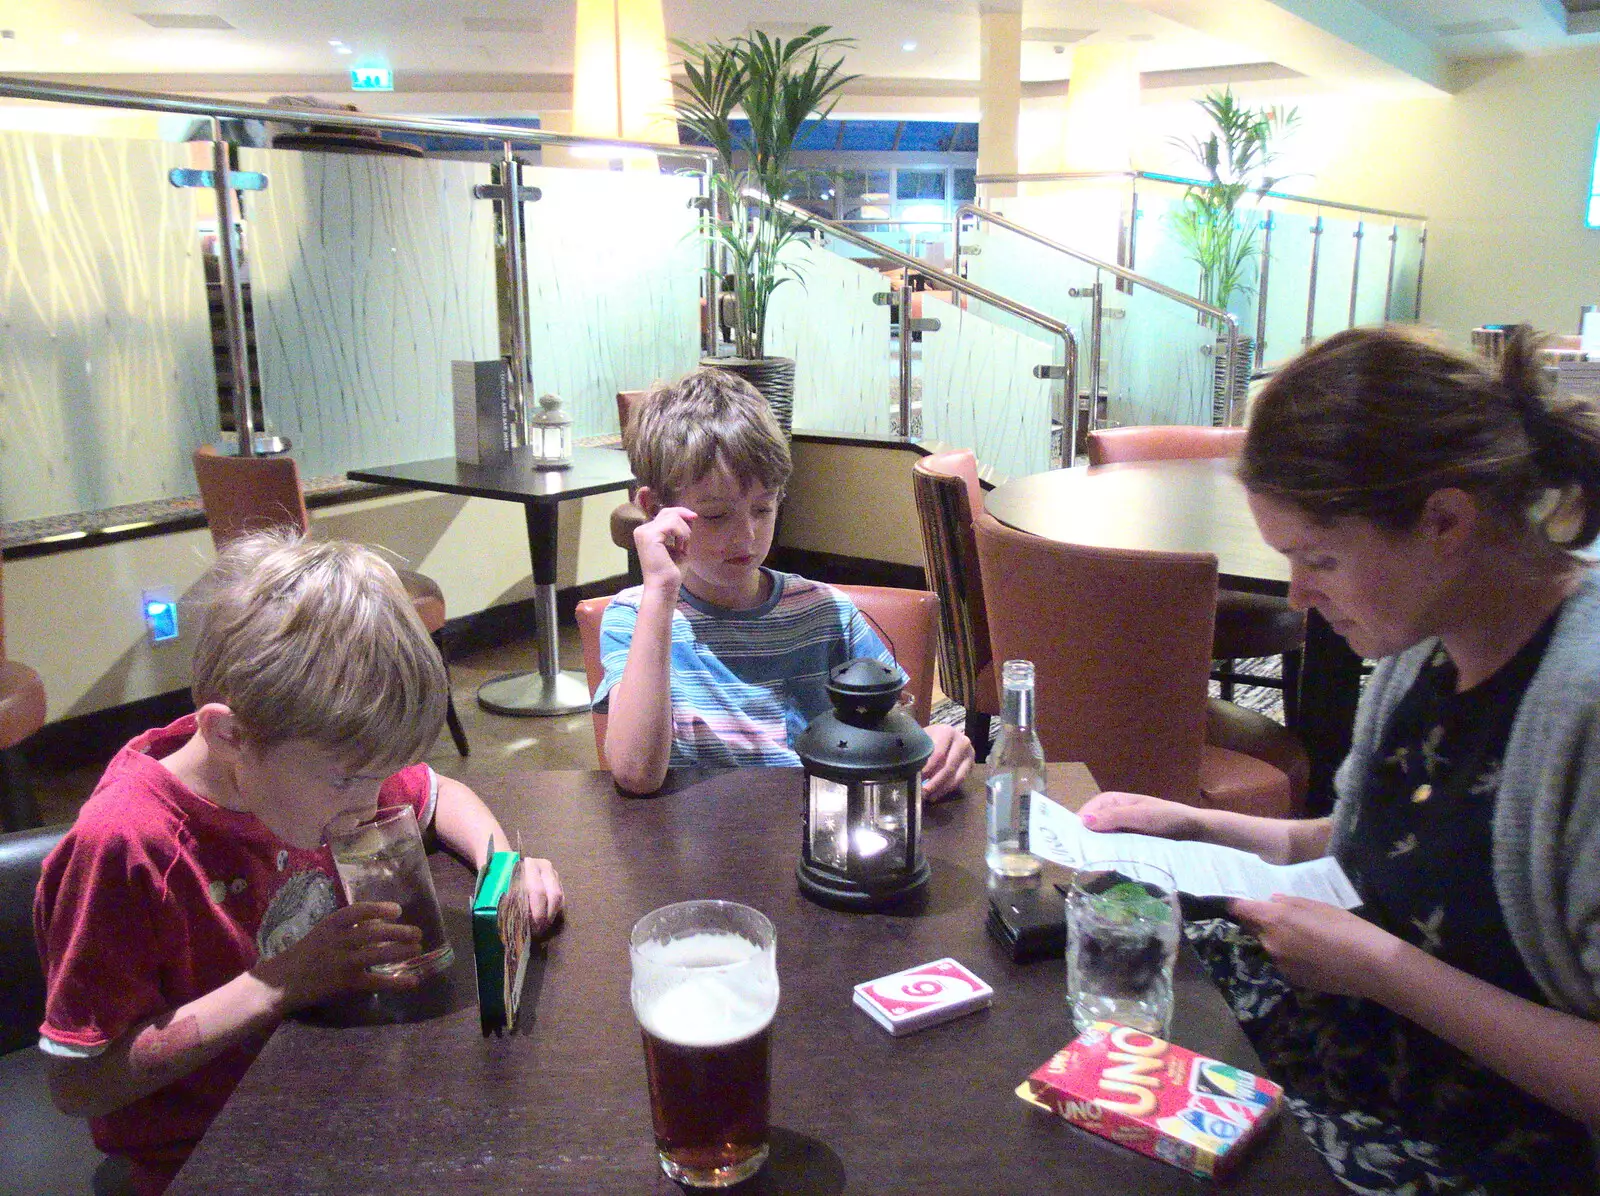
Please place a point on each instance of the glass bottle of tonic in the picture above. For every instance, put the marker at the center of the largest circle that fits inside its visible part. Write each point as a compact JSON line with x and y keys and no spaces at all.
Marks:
{"x":1016,"y":774}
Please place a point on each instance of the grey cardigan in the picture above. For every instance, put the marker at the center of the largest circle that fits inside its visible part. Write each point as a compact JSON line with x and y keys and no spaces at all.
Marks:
{"x":1546,"y":831}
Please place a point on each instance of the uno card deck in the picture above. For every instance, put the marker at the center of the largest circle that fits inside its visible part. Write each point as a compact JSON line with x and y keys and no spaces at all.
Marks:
{"x":1155,"y":1097}
{"x":922,"y":996}
{"x":502,"y":938}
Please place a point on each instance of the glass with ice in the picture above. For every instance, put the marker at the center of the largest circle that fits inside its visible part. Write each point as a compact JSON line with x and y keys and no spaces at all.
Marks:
{"x":384,"y":860}
{"x":1122,"y":942}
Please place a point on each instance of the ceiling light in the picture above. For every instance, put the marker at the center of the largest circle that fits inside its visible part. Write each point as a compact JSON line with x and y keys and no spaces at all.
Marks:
{"x":333,"y":41}
{"x":69,"y":39}
{"x":344,"y":50}
{"x":909,"y":46}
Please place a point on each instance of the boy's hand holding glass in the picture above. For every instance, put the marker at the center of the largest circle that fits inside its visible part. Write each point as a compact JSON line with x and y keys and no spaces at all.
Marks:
{"x":661,"y":544}
{"x":334,"y":958}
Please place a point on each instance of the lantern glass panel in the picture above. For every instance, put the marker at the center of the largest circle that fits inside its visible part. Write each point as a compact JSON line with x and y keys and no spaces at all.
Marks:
{"x":878,"y":833}
{"x":829,"y":823}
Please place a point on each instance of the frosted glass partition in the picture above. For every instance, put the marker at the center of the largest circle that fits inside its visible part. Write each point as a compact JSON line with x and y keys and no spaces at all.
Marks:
{"x":1288,"y":286}
{"x":979,"y":389}
{"x":838,"y":334}
{"x":1157,"y":252}
{"x":614,"y":268}
{"x":1159,"y":362}
{"x":1033,"y":275}
{"x":1336,"y":265}
{"x":370,"y":275}
{"x":1407,"y":272}
{"x":106,"y":381}
{"x":1377,"y":241}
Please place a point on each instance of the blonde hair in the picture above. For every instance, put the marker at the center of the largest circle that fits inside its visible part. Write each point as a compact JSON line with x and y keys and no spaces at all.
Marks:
{"x":707,"y":420}
{"x":318,"y":641}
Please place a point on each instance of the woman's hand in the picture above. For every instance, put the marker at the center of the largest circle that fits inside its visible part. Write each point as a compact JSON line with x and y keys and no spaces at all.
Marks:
{"x":1140,"y":813}
{"x":1320,"y":946}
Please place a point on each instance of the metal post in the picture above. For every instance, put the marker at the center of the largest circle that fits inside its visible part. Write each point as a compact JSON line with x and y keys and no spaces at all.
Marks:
{"x":1422,"y":260}
{"x":1311,"y":289}
{"x":1261,"y":290}
{"x":905,"y":353}
{"x":1070,"y":368}
{"x":1355,"y":273}
{"x":232,"y":294}
{"x":518,"y":382}
{"x":1388,"y":286}
{"x":1097,"y":314}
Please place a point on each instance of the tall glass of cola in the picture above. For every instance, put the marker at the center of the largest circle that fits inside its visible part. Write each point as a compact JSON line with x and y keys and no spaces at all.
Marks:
{"x":705,"y":987}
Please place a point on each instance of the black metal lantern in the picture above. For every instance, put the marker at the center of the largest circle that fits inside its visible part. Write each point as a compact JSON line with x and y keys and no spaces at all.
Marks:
{"x":863,"y":761}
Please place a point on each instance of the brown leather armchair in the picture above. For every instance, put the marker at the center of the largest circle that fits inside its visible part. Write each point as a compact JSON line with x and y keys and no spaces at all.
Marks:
{"x":1121,"y":643}
{"x":948,"y":495}
{"x":906,"y":620}
{"x":1248,"y":625}
{"x":22,"y":712}
{"x":251,"y":494}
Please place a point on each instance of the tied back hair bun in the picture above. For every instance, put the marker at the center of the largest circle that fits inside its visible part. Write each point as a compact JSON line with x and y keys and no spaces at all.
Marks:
{"x":1564,"y":436}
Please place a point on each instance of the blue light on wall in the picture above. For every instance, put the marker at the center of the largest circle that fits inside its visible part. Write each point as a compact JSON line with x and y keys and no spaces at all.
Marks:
{"x":1594,"y":187}
{"x":371,"y":78}
{"x":161,"y":617}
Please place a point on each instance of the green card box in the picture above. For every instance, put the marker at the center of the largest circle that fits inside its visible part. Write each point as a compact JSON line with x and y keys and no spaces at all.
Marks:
{"x":501,"y":939}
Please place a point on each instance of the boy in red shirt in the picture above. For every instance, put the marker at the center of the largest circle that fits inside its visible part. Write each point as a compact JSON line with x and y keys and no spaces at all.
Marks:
{"x":193,"y":905}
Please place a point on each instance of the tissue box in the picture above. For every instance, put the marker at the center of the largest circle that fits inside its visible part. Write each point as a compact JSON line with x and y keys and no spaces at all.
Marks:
{"x":501,"y":939}
{"x":1155,"y":1097}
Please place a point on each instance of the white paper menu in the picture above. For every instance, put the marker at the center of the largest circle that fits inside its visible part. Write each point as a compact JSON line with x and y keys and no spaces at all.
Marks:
{"x":1199,"y":869}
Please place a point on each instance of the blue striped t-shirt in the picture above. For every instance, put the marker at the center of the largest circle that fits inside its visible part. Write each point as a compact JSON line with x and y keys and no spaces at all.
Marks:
{"x":745,"y":682}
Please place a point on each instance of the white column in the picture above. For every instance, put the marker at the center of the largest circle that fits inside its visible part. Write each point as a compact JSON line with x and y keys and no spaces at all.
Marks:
{"x":999,"y":92}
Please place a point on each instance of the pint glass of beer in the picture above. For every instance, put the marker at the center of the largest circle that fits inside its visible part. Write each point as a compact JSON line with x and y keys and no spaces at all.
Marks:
{"x":705,"y":987}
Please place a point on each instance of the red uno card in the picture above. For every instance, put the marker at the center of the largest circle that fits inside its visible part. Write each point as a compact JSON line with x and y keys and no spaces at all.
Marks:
{"x":922,"y":996}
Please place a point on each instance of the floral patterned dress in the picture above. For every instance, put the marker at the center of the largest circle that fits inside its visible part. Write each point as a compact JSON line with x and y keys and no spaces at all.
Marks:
{"x":1391,"y":1107}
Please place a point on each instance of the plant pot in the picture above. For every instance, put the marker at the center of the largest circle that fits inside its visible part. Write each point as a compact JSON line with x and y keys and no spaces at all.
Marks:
{"x":772,"y":376}
{"x":1243,"y":358}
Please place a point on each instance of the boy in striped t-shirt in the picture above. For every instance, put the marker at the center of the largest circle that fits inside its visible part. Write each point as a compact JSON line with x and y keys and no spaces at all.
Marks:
{"x":716,"y":661}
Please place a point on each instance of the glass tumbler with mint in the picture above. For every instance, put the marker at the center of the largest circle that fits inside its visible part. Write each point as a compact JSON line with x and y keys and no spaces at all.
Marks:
{"x":1016,"y":773}
{"x":1122,"y":941}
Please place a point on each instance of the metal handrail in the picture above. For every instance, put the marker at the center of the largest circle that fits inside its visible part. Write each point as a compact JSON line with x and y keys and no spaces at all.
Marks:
{"x":1228,"y":321}
{"x":19,"y":87}
{"x":1071,"y":176}
{"x":953,"y":282}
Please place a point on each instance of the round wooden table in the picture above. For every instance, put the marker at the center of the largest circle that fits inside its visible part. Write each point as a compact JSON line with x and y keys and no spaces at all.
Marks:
{"x":1195,"y":506}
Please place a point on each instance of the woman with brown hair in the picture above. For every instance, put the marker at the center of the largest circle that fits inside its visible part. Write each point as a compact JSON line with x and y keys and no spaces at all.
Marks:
{"x":1444,"y":1037}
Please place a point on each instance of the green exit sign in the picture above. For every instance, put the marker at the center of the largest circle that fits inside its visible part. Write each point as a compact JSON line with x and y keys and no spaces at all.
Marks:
{"x":371,"y":78}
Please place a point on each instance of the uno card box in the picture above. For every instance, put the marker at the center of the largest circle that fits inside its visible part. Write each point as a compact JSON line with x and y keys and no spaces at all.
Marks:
{"x":1154,"y":1097}
{"x":501,"y":939}
{"x":922,"y":996}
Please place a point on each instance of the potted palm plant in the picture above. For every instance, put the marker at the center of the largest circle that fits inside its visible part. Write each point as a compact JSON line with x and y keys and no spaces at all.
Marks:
{"x":1223,"y":242}
{"x":778,"y":84}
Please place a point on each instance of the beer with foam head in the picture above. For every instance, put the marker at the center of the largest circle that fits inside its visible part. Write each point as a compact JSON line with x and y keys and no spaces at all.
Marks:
{"x":705,"y":988}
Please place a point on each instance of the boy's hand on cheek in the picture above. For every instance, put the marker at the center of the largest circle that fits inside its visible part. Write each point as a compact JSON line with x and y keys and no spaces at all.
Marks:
{"x":948,"y":766}
{"x":333,"y":959}
{"x":661,"y":544}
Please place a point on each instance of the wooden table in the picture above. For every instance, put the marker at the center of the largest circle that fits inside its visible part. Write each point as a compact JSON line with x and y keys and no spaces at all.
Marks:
{"x":1195,"y":506}
{"x":562,"y":1107}
{"x":541,"y":493}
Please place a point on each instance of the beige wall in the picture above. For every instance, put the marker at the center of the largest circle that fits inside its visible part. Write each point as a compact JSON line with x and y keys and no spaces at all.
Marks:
{"x":1501,"y":169}
{"x":75,"y":616}
{"x":852,"y":500}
